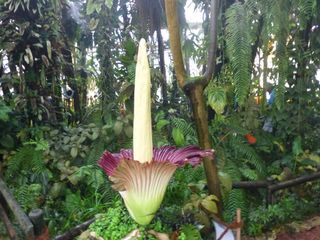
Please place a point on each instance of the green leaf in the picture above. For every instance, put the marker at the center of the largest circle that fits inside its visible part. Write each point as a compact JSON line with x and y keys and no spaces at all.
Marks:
{"x":49,"y":50}
{"x":74,"y":178}
{"x":118,"y":126}
{"x":74,"y":152}
{"x":178,"y":137}
{"x":197,"y":187}
{"x":249,"y":173}
{"x":189,"y":232}
{"x":93,"y":24}
{"x":296,"y":146}
{"x":90,"y":7}
{"x":57,"y":189}
{"x":98,"y":7}
{"x":161,"y":123}
{"x":315,"y":158}
{"x":130,"y":48}
{"x":66,"y":139}
{"x":217,"y":99}
{"x":39,"y":45}
{"x":225,"y":180}
{"x":209,"y":204}
{"x":238,"y":42}
{"x":42,"y":145}
{"x":4,"y":113}
{"x":108,"y":3}
{"x":7,"y":141}
{"x":128,"y":131}
{"x":95,"y":134}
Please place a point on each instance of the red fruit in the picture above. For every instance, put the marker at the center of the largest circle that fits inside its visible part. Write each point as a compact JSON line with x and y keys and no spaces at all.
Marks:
{"x":250,"y":138}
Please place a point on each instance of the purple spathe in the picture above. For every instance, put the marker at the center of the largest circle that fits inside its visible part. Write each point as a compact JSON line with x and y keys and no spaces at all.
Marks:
{"x":167,"y":154}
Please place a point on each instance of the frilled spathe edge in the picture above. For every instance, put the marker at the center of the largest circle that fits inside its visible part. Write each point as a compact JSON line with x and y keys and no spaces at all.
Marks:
{"x":176,"y":156}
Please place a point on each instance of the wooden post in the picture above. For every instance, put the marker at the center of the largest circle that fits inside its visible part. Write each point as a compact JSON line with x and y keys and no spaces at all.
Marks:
{"x":21,"y":217}
{"x":10,"y":230}
{"x":238,"y":233}
{"x":36,"y":217}
{"x":72,"y":233}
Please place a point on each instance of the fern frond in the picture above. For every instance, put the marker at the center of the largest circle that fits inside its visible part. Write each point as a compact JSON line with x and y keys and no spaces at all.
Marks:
{"x":235,"y":199}
{"x":73,"y":203}
{"x":190,"y":231}
{"x":306,"y":8}
{"x":131,"y":72}
{"x":37,"y":162}
{"x":243,"y":150}
{"x":16,"y":161}
{"x":249,"y":173}
{"x":281,"y":30}
{"x":239,"y":49}
{"x":186,"y":128}
{"x":190,"y":174}
{"x":236,"y":128}
{"x":26,"y":158}
{"x":232,"y":169}
{"x":97,"y":150}
{"x":27,"y":196}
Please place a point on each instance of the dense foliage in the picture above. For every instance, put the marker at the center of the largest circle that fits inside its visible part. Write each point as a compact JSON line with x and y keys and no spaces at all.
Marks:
{"x":66,"y":94}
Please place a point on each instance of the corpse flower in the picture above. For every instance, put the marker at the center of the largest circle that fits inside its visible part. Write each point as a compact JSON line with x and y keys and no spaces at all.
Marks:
{"x":141,"y":175}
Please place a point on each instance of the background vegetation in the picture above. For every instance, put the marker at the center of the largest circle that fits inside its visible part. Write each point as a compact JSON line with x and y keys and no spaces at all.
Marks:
{"x":66,"y":94}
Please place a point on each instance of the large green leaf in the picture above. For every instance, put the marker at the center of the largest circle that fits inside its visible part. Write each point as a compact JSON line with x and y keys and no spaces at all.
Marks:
{"x":178,"y":137}
{"x":217,"y":99}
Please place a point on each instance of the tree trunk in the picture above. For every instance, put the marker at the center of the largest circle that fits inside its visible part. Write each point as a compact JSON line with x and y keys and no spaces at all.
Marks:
{"x":194,"y":89}
{"x":162,"y":67}
{"x":200,"y":114}
{"x":4,"y":86}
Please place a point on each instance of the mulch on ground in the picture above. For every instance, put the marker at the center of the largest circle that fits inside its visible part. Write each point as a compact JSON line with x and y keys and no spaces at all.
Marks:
{"x":311,"y":234}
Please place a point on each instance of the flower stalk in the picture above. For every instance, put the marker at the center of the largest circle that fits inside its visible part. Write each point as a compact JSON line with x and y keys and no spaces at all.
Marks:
{"x":142,"y":129}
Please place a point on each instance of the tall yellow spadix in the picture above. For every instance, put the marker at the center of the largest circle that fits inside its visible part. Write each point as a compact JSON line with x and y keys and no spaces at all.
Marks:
{"x":142,"y":129}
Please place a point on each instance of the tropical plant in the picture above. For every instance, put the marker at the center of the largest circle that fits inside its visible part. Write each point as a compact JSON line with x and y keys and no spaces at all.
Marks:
{"x":141,"y":175}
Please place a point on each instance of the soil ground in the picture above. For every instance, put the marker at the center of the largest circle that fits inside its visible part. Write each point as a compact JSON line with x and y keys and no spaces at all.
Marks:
{"x":308,"y":229}
{"x":312,"y":234}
